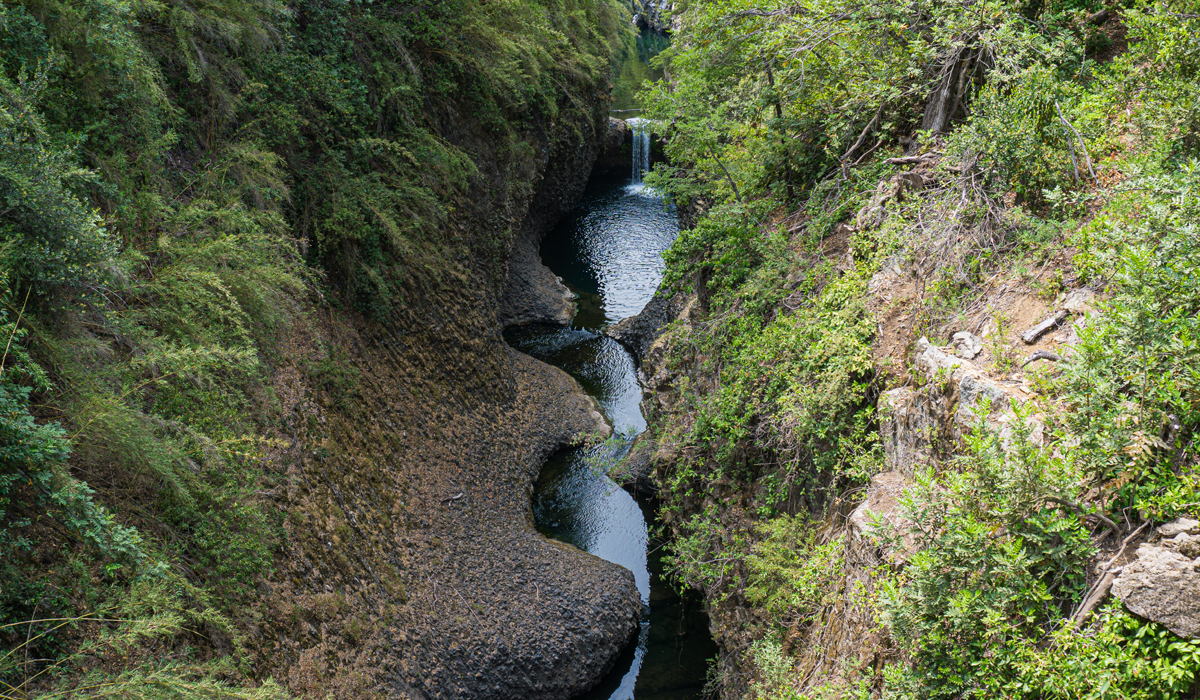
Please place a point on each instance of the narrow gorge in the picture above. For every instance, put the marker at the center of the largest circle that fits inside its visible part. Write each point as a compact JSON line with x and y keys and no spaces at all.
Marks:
{"x":599,"y":349}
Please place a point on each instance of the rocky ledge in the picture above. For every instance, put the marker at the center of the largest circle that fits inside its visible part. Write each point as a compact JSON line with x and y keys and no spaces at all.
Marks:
{"x":1162,"y":583}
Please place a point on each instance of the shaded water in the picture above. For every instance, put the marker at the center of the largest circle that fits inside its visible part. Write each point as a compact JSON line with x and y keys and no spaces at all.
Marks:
{"x":608,"y":251}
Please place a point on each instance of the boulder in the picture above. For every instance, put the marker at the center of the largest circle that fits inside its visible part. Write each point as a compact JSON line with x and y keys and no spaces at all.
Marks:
{"x":534,"y":294}
{"x":655,"y":15}
{"x":973,"y":394}
{"x":880,"y":517}
{"x":1080,"y":301}
{"x":1163,"y":584}
{"x":913,"y":421}
{"x":967,"y":345}
{"x":635,"y":471}
{"x":931,"y":360}
{"x":1178,"y":526}
{"x":637,"y":333}
{"x":615,"y":156}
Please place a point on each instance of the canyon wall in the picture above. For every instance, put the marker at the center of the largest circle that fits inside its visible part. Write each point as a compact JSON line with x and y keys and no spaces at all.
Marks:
{"x":412,"y":568}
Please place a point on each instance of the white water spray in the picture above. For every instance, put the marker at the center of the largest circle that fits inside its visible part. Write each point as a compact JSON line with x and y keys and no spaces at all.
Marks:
{"x":641,"y":147}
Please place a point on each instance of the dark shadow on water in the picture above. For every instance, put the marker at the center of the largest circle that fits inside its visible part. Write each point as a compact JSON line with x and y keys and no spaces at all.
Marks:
{"x":669,"y":658}
{"x":574,"y":501}
{"x":599,"y":363}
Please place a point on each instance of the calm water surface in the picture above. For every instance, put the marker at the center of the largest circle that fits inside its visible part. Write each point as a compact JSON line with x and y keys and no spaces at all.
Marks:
{"x":608,"y":251}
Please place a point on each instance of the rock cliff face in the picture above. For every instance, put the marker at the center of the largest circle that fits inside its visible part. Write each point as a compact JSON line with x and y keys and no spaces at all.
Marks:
{"x":532,"y":293}
{"x":1162,"y":582}
{"x":941,"y":391}
{"x":654,"y":15}
{"x":411,"y":568}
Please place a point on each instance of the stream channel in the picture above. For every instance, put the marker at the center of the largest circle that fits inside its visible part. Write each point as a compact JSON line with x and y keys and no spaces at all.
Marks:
{"x":608,"y":252}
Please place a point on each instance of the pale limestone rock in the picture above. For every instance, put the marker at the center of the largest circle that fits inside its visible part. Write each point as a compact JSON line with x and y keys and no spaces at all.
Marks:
{"x":909,"y":426}
{"x":1178,"y":526}
{"x":1080,"y":301}
{"x":967,"y":345}
{"x":1185,"y":544}
{"x":931,"y":360}
{"x":880,"y":515}
{"x":1164,"y":586}
{"x":973,"y":394}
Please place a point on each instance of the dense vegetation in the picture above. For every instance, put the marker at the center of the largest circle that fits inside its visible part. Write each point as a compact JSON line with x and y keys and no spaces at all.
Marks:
{"x":181,"y":185}
{"x":1060,"y":135}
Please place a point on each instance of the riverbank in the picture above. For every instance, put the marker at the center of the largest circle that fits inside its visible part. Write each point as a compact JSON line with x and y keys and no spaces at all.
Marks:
{"x":896,"y":424}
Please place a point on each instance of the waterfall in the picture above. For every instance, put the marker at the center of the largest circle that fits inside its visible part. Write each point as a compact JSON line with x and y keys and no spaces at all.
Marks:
{"x":641,"y":147}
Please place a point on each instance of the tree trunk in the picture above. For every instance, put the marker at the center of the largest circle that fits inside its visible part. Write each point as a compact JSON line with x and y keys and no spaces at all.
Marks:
{"x":949,"y":93}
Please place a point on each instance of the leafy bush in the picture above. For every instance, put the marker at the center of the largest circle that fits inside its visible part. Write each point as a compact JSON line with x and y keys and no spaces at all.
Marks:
{"x":1133,"y":395}
{"x":1121,"y":657}
{"x":996,"y":562}
{"x":33,"y":464}
{"x":51,"y":242}
{"x":791,"y":573}
{"x":1016,"y":131}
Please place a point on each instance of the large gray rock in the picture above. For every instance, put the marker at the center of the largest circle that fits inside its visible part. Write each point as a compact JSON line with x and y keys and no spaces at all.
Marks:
{"x":881,"y":518}
{"x":967,"y":345}
{"x":1163,"y":585}
{"x":534,"y":294}
{"x":635,"y":471}
{"x":617,"y":154}
{"x":1179,"y":526}
{"x":970,"y":387}
{"x":638,"y":333}
{"x":1080,"y":301}
{"x":978,"y":397}
{"x":932,"y":361}
{"x":655,"y":15}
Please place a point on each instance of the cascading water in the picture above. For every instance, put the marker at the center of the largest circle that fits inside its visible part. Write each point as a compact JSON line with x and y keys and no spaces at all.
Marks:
{"x":641,"y":147}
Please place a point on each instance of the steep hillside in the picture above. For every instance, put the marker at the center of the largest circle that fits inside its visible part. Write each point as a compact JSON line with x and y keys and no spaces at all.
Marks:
{"x":262,"y":436}
{"x":924,"y":423}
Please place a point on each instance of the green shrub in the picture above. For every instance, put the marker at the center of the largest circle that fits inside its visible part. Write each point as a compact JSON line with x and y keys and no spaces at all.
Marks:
{"x":51,"y":242}
{"x":791,"y":573}
{"x":996,"y":563}
{"x":1134,"y":392}
{"x":1016,"y":133}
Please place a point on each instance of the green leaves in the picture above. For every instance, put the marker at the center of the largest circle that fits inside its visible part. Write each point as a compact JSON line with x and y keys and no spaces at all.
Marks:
{"x":992,"y":567}
{"x":1016,"y":132}
{"x":791,"y":573}
{"x":33,"y":473}
{"x":1135,"y":381}
{"x":50,"y":241}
